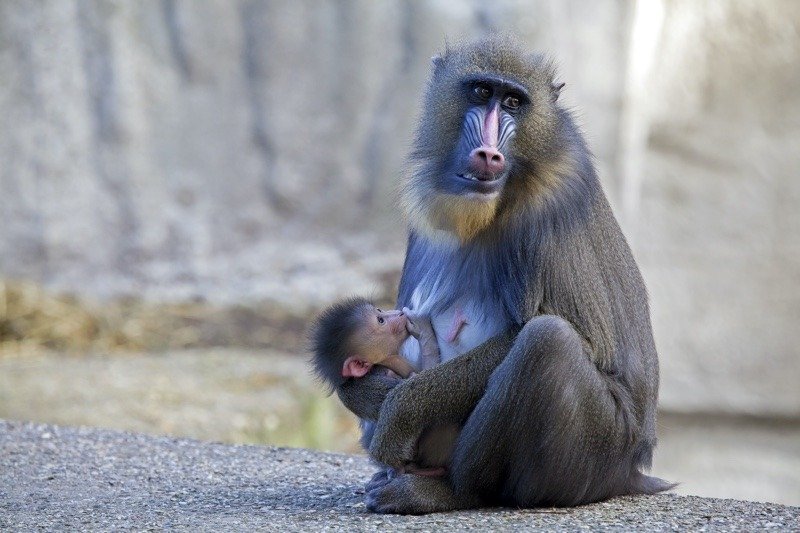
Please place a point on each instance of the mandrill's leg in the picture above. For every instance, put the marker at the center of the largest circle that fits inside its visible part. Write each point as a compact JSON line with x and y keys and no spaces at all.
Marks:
{"x":550,"y":429}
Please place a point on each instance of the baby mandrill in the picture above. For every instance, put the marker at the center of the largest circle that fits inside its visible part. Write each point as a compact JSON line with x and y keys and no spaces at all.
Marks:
{"x":353,"y":337}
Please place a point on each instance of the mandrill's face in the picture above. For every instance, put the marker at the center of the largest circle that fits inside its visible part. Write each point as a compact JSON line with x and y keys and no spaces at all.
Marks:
{"x":480,"y":162}
{"x":489,"y":118}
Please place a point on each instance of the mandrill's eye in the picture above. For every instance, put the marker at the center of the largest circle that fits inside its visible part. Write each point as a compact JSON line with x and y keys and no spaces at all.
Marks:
{"x":511,"y":102}
{"x":482,"y":91}
{"x":381,"y":320}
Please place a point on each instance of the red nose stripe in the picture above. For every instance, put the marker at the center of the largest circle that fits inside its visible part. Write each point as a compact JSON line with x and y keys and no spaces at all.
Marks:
{"x":491,"y":126}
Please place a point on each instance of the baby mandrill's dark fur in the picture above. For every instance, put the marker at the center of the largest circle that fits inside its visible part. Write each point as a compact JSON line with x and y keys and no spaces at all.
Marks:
{"x":333,"y":343}
{"x":330,"y":338}
{"x":330,"y":341}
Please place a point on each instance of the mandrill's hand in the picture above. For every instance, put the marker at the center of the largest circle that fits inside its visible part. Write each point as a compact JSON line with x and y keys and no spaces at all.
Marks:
{"x":399,"y":426}
{"x":445,"y":394}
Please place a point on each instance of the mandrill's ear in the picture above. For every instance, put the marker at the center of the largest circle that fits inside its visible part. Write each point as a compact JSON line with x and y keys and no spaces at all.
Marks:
{"x":437,"y":62}
{"x":355,"y":367}
{"x":555,"y":90}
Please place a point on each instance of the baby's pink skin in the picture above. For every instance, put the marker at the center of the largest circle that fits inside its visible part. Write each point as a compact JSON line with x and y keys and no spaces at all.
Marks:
{"x":355,"y":367}
{"x":397,"y":324}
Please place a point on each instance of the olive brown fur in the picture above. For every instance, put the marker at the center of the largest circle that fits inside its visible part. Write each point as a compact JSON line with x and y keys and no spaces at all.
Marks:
{"x":558,"y":403}
{"x":330,"y":337}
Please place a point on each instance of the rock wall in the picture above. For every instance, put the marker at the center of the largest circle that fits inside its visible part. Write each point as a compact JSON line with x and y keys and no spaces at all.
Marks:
{"x":240,"y":151}
{"x":712,"y":201}
{"x":178,"y":149}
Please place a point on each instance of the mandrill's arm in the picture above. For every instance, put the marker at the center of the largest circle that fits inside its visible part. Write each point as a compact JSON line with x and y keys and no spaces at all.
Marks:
{"x":445,"y":394}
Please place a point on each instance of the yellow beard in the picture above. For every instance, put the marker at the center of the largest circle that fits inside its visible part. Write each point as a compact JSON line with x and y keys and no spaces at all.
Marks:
{"x":441,"y":216}
{"x":462,"y":217}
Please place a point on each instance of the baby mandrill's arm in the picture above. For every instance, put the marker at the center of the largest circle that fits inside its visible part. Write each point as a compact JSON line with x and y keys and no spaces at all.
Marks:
{"x":419,"y":326}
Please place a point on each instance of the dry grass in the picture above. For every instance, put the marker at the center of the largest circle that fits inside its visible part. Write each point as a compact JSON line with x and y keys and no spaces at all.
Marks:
{"x":33,"y":319}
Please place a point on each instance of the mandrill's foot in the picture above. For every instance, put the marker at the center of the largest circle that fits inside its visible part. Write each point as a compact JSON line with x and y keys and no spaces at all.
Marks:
{"x":380,"y":479}
{"x":410,"y":494}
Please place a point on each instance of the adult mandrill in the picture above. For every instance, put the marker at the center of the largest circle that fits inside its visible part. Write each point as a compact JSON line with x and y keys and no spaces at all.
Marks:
{"x":539,"y":306}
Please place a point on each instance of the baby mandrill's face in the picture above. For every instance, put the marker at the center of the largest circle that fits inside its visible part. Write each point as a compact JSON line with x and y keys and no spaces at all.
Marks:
{"x":382,"y":333}
{"x":377,"y":342}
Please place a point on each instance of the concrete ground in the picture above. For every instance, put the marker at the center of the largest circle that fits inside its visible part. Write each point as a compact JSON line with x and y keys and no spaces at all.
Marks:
{"x":270,"y":398}
{"x":60,"y":478}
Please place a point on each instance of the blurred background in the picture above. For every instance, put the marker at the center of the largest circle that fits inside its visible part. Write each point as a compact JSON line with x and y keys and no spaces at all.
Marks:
{"x":183,"y":184}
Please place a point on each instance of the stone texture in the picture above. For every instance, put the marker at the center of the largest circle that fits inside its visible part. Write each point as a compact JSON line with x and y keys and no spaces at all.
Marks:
{"x":218,"y":150}
{"x":714,"y":217}
{"x":56,"y":478}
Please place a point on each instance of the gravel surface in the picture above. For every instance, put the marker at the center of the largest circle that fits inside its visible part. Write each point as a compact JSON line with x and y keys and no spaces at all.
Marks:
{"x":270,"y":397}
{"x":57,"y":478}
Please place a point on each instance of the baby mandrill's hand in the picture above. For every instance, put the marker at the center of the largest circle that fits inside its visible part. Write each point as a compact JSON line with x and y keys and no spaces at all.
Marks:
{"x":417,"y":325}
{"x":421,"y":328}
